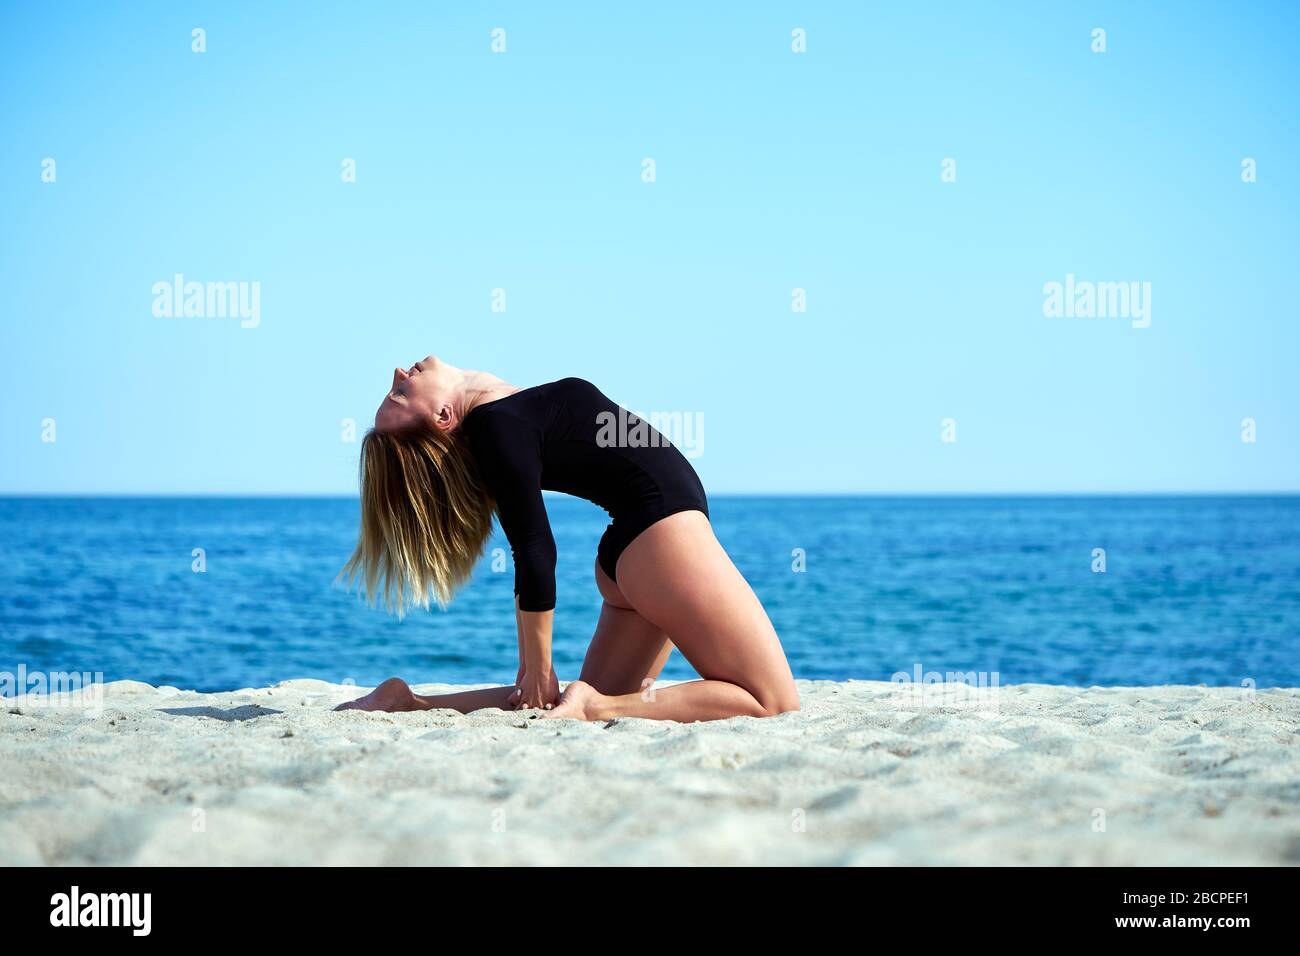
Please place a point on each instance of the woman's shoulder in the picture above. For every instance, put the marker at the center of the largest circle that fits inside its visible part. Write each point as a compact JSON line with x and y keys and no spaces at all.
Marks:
{"x":573,"y":382}
{"x":531,"y":406}
{"x":536,"y":397}
{"x":579,"y":389}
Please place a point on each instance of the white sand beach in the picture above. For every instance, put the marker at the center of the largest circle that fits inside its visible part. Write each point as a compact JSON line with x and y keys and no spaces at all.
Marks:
{"x":864,"y":774}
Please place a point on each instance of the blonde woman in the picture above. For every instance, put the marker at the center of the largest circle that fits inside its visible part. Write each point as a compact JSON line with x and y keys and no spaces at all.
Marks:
{"x":450,"y":446}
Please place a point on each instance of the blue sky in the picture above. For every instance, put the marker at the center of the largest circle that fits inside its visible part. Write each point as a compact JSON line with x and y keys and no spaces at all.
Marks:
{"x":775,"y":170}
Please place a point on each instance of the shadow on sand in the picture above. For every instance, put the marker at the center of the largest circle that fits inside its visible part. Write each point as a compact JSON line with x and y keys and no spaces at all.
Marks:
{"x":246,"y":712}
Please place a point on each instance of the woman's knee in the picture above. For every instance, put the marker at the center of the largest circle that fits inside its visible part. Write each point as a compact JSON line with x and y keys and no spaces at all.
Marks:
{"x":780,"y":699}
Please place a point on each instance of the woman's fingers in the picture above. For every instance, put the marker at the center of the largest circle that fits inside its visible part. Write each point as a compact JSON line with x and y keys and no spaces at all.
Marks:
{"x":531,"y":697}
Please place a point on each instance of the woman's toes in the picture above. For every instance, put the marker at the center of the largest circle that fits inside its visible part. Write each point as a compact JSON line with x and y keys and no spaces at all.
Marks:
{"x":575,"y":702}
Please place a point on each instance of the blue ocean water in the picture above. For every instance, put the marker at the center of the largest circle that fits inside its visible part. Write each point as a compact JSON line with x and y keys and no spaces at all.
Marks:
{"x":1195,"y":590}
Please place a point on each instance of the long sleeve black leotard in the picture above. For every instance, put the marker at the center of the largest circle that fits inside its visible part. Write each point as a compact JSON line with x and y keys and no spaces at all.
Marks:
{"x":558,"y":437}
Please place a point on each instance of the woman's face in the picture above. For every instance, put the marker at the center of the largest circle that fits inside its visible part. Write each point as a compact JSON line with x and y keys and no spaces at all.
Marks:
{"x":418,"y":393}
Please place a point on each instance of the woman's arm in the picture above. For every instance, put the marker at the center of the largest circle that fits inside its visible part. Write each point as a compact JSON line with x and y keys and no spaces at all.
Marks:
{"x":538,"y":684}
{"x":519,"y":632}
{"x":509,"y":454}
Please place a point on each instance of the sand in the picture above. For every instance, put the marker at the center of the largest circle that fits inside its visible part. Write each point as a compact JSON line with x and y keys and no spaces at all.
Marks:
{"x":865,"y":774}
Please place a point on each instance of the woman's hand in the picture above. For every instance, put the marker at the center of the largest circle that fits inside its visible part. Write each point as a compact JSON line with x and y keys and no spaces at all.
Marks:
{"x":538,"y":689}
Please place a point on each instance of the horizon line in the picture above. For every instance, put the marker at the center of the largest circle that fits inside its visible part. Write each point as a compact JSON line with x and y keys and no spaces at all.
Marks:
{"x":299,"y":495}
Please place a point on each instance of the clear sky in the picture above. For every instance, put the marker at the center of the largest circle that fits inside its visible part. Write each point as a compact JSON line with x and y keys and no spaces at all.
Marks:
{"x":774,"y":171}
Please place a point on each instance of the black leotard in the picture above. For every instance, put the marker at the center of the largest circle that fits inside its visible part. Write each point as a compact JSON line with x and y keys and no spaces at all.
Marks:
{"x":565,"y":436}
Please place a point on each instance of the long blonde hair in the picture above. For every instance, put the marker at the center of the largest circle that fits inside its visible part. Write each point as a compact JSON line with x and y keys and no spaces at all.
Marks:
{"x":425,"y":517}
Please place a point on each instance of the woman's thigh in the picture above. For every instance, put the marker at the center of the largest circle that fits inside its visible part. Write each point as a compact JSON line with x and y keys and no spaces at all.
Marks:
{"x":678,"y":577}
{"x":627,"y":652}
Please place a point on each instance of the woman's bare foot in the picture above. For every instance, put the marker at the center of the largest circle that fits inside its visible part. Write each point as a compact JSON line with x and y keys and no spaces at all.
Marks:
{"x":392,"y":695}
{"x":578,"y":702}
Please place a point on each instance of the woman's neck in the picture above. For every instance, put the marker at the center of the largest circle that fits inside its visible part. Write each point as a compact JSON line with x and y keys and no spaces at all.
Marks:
{"x":479,"y":387}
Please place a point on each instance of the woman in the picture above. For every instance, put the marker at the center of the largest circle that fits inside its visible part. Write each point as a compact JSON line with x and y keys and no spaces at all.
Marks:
{"x":450,"y":445}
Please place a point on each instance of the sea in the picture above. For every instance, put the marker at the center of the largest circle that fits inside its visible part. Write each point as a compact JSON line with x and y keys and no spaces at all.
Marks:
{"x":225,"y":593}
